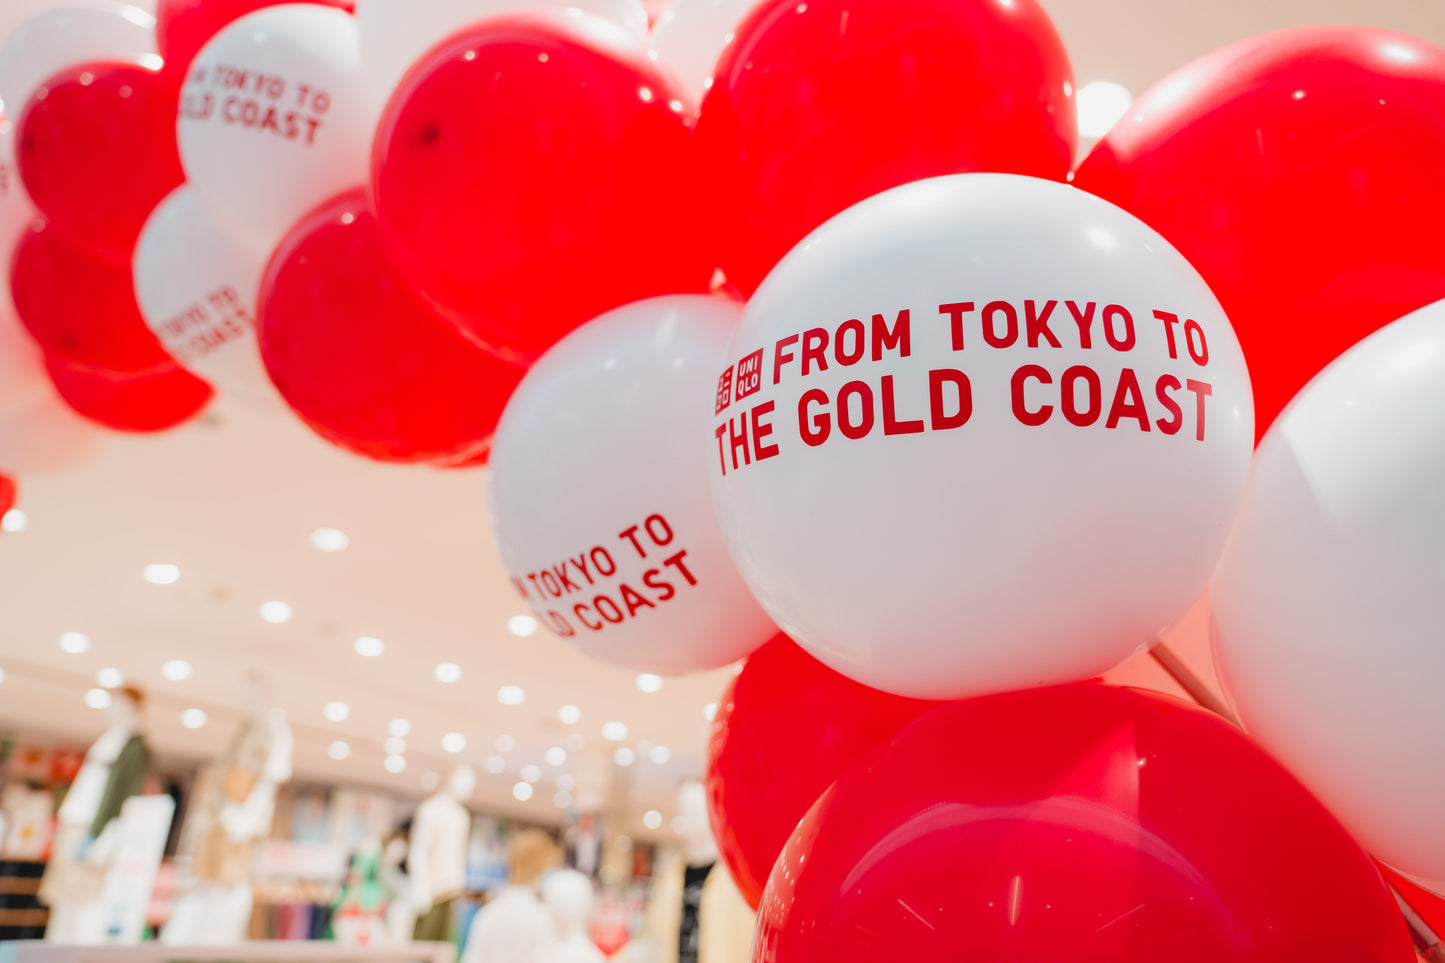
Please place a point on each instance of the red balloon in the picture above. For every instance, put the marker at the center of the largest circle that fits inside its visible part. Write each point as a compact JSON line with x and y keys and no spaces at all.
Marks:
{"x":183,"y":27}
{"x":81,"y":307}
{"x":96,"y":149}
{"x":1079,"y":823}
{"x":1430,"y":907}
{"x":786,"y":728}
{"x":1300,"y":173}
{"x":143,"y":403}
{"x":360,"y":358}
{"x":535,"y":171}
{"x":818,"y":105}
{"x":8,"y":493}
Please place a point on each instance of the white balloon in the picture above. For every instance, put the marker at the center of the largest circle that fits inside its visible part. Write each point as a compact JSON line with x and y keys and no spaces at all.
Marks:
{"x":691,"y":35}
{"x":599,"y":493}
{"x":22,"y":366}
{"x":197,"y":288}
{"x":942,"y":484}
{"x":1327,"y":602}
{"x":64,"y":36}
{"x":396,"y":33}
{"x":273,"y":119}
{"x":46,"y":437}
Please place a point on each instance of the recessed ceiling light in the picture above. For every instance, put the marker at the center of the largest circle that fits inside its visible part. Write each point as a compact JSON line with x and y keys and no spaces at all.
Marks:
{"x":522,"y":792}
{"x":276,"y":612}
{"x":569,"y":715}
{"x":505,"y":743}
{"x":652,"y":819}
{"x":523,"y":625}
{"x":369,"y":647}
{"x":454,"y":742}
{"x":1101,"y":105}
{"x":109,"y":678}
{"x":177,"y":670}
{"x":399,"y":727}
{"x":396,"y":745}
{"x":709,"y":711}
{"x":660,"y":755}
{"x":566,"y":781}
{"x":574,"y":742}
{"x":338,"y":750}
{"x":336,"y":711}
{"x":74,"y":642}
{"x":624,"y":756}
{"x":614,"y":732}
{"x":329,"y":540}
{"x":14,"y":521}
{"x":97,"y":698}
{"x":531,"y":773}
{"x":556,"y":756}
{"x":395,"y":763}
{"x":193,"y":718}
{"x":162,"y":574}
{"x":430,"y":780}
{"x":447,"y":672}
{"x":562,"y":799}
{"x":649,"y":683}
{"x":511,"y":695}
{"x":495,"y":765}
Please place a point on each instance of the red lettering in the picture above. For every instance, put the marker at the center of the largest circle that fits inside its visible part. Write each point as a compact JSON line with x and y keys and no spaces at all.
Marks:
{"x":738,"y":438}
{"x":577,"y":611}
{"x":655,"y":524}
{"x":722,"y":452}
{"x":1017,"y":387}
{"x":1161,"y":390}
{"x":611,"y":565}
{"x":675,"y":561}
{"x":1128,"y":402}
{"x":568,"y":585}
{"x":891,"y":424}
{"x":864,"y":424}
{"x":616,"y":615}
{"x":781,"y":358}
{"x":896,"y":338}
{"x":559,"y":624}
{"x":814,"y":428}
{"x":1125,"y":343}
{"x":860,"y":337}
{"x":955,"y":313}
{"x":580,"y":563}
{"x":1170,"y":320}
{"x":1011,"y":318}
{"x":1201,"y":391}
{"x":631,"y":535}
{"x":1191,"y":330}
{"x":1068,"y":395}
{"x":549,"y":582}
{"x":763,"y":430}
{"x":815,"y":343}
{"x":938,"y":417}
{"x":651,"y":579}
{"x":1084,"y":322}
{"x":1037,"y":325}
{"x":633,"y":601}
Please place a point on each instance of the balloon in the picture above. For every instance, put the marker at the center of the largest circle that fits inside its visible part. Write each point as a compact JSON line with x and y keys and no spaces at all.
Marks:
{"x":82,"y":308}
{"x":7,"y":494}
{"x":22,"y":366}
{"x":360,"y":358}
{"x":16,"y":208}
{"x":1299,"y":173}
{"x":1326,"y":627}
{"x":536,"y":171}
{"x":691,"y":34}
{"x":273,"y":119}
{"x":47,"y":437}
{"x":1034,"y":470}
{"x":97,"y":152}
{"x":197,"y":289}
{"x":56,"y":39}
{"x":396,"y":33}
{"x":143,"y":403}
{"x":184,"y":26}
{"x":599,"y":493}
{"x":1079,"y":823}
{"x":818,"y":105}
{"x":786,"y":728}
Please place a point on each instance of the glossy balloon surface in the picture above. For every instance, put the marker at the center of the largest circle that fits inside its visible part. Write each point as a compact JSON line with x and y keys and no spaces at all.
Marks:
{"x":1082,"y":823}
{"x":184,"y":26}
{"x":815,"y":106}
{"x":1299,"y":172}
{"x":97,"y":152}
{"x":535,"y":171}
{"x":786,"y":728}
{"x":143,"y":403}
{"x":357,"y":355}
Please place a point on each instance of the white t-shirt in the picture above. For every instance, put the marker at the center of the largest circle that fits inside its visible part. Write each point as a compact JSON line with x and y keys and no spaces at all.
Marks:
{"x":513,"y":928}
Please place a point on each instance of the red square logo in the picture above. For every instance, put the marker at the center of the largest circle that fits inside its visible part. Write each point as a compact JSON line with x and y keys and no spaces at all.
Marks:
{"x":750,"y":374}
{"x":724,"y":391}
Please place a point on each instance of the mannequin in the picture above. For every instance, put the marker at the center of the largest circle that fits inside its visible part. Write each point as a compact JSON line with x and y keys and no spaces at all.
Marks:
{"x":437,"y":859}
{"x":568,"y":894}
{"x":515,"y":927}
{"x":115,"y":769}
{"x":400,"y":915}
{"x":697,"y":913}
{"x":235,"y":813}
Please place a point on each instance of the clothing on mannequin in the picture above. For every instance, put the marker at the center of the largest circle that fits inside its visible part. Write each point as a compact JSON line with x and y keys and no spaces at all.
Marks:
{"x":437,"y":855}
{"x":114,"y":769}
{"x":516,"y":927}
{"x":568,"y":896}
{"x":234,"y":812}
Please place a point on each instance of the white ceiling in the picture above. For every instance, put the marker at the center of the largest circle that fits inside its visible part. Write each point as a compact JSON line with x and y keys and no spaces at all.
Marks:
{"x":232,"y":500}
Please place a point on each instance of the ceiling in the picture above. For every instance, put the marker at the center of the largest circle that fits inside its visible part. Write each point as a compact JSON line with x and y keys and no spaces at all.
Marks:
{"x":232,"y":500}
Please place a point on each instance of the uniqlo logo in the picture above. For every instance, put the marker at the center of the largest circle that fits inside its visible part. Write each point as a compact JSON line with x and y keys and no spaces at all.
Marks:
{"x":750,"y":374}
{"x":724,"y":391}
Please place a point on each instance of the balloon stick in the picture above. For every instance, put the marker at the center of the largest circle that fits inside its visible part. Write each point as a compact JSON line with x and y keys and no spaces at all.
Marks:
{"x":1430,"y":946}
